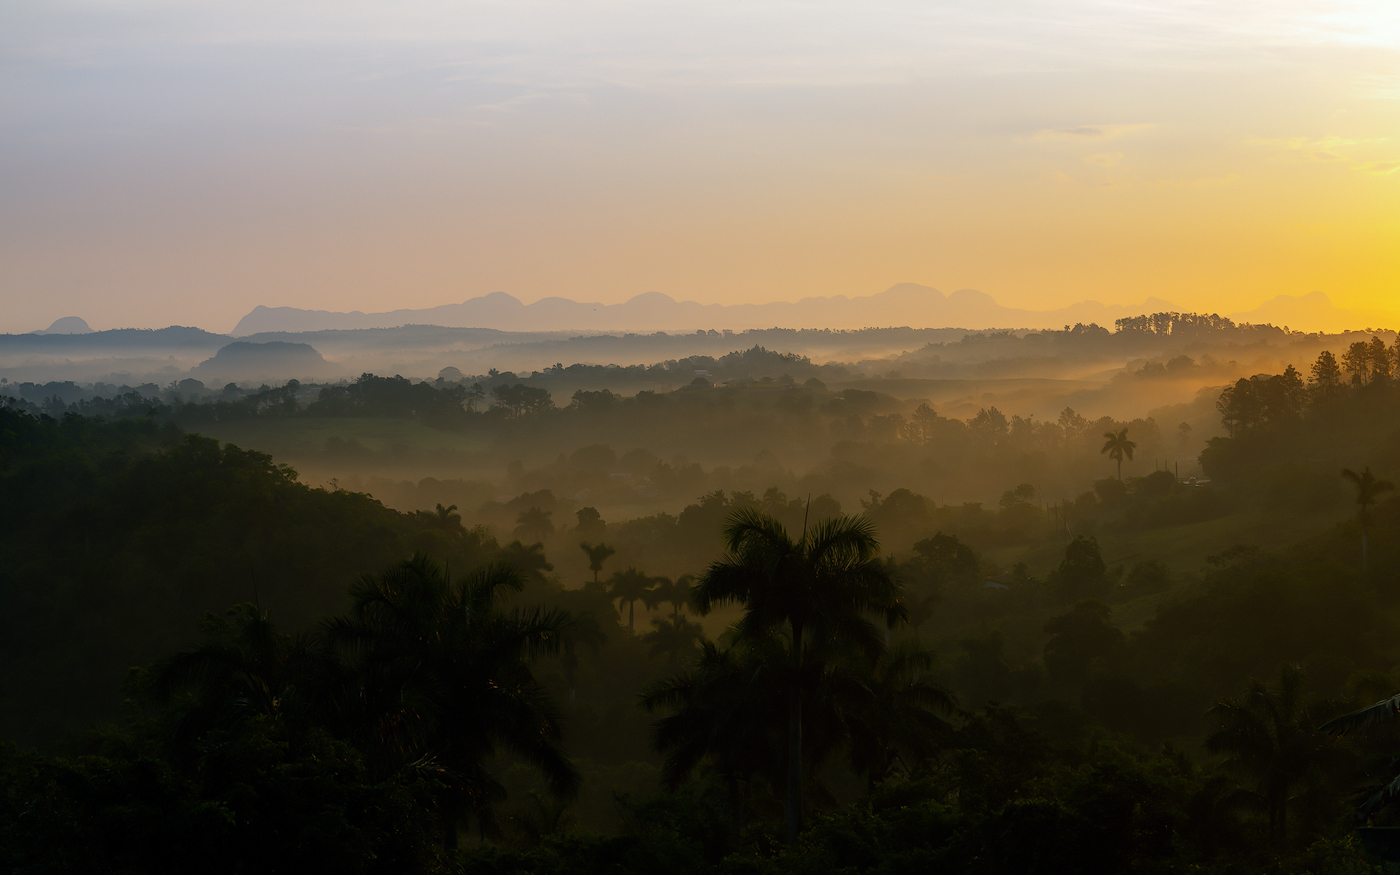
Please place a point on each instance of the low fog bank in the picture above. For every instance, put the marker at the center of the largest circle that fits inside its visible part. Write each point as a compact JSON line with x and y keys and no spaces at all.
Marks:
{"x":1082,"y":351}
{"x":960,"y":418}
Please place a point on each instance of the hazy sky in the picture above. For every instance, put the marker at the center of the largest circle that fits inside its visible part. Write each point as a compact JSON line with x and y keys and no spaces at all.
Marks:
{"x":182,"y":162}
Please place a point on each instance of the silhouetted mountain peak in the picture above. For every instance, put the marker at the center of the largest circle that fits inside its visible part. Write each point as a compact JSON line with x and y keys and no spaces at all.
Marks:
{"x":68,"y":325}
{"x":274,"y":359}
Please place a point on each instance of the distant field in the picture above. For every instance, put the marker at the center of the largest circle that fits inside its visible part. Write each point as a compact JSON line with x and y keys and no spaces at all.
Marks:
{"x":305,"y":437}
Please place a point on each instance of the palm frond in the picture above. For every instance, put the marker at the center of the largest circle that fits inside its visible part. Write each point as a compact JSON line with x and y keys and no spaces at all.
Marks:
{"x":723,"y":582}
{"x":749,"y":525}
{"x":1384,"y":797}
{"x":1380,"y":712}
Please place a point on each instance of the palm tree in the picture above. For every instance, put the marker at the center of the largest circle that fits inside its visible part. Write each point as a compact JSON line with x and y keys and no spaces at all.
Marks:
{"x":529,"y":560}
{"x":675,"y":636}
{"x":1367,"y":489}
{"x":534,"y":522}
{"x":629,"y":586}
{"x":252,"y":669}
{"x":596,"y":557}
{"x":582,"y":631}
{"x":921,"y":610}
{"x":1267,"y":735}
{"x":445,"y":519}
{"x":893,"y":710}
{"x":1382,"y":711}
{"x":440,"y":680}
{"x":1117,"y":446}
{"x":676,"y":592}
{"x":448,"y":518}
{"x":724,"y":709}
{"x":819,"y":589}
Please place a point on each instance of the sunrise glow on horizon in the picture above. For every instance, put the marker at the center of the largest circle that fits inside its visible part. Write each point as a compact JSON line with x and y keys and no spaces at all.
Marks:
{"x":179,"y":164}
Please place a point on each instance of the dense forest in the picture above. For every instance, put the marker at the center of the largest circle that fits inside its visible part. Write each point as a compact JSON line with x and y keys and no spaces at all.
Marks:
{"x":210,"y":663}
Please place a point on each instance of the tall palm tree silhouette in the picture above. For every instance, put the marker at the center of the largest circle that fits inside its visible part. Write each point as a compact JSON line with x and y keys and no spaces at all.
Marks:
{"x":628,"y":587}
{"x":596,"y":557}
{"x":582,"y":631}
{"x":439,"y":680}
{"x":1117,"y":446}
{"x":674,"y":637}
{"x":674,"y":592}
{"x":895,"y":709}
{"x":534,"y":522}
{"x":529,"y":560}
{"x":256,"y":670}
{"x":723,"y":709}
{"x":1367,"y":490}
{"x":921,"y":610}
{"x":820,"y":589}
{"x":1267,"y":735}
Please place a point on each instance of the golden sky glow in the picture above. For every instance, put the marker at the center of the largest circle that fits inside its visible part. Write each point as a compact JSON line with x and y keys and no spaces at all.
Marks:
{"x":181,"y":163}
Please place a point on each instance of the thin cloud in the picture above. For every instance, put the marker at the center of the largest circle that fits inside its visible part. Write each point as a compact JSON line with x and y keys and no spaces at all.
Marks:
{"x":1333,"y":149}
{"x":1379,"y":168}
{"x":1090,"y":133}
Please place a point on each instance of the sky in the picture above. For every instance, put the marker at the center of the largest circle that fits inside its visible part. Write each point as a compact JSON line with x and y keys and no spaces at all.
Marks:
{"x":180,"y":163}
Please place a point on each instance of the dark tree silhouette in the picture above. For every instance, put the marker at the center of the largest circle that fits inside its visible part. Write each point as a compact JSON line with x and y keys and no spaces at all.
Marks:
{"x":1380,"y":360}
{"x":590,"y":522}
{"x":923,"y":425}
{"x":894,"y":712}
{"x":628,"y":587}
{"x":673,"y":637}
{"x":529,"y":560}
{"x":943,"y":559}
{"x":1081,"y":573}
{"x":1078,"y":638}
{"x":533,"y":523}
{"x":1118,"y":446}
{"x":1382,"y":712}
{"x":1325,"y":380}
{"x":247,"y":668}
{"x":724,"y":709}
{"x":439,"y":681}
{"x":446,"y":519}
{"x":1368,"y":488}
{"x":596,"y":557}
{"x":1357,"y":362}
{"x":1268,"y":736}
{"x":820,"y":588}
{"x":520,"y":401}
{"x":921,"y":610}
{"x":582,"y":632}
{"x":676,"y":592}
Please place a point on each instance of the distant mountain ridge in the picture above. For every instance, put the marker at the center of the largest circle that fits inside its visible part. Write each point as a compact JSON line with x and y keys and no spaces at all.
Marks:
{"x":904,"y":304}
{"x":1313,"y":311}
{"x":173,"y":337}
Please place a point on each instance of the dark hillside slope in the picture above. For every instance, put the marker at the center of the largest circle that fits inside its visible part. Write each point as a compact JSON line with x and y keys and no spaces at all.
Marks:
{"x":116,"y":537}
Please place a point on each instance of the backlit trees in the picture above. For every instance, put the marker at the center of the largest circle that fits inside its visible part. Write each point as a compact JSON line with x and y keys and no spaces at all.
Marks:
{"x":820,"y":590}
{"x":1117,"y":446}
